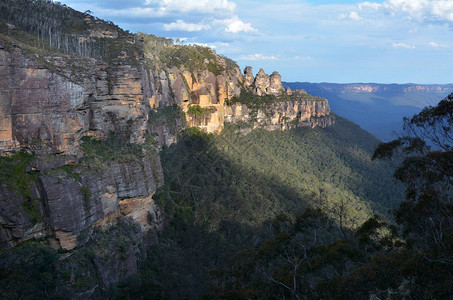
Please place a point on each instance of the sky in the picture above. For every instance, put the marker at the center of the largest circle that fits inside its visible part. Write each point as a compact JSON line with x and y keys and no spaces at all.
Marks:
{"x":388,"y":41}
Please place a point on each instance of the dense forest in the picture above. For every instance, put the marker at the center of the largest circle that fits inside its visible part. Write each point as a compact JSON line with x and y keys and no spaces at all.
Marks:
{"x":258,"y":237}
{"x":227,"y":198}
{"x":232,"y":199}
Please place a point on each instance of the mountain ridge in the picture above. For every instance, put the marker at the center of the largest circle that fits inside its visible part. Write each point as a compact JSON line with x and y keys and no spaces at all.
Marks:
{"x":378,"y":108}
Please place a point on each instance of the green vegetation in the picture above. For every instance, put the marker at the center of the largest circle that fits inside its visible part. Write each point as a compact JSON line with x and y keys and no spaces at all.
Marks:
{"x":34,"y":270}
{"x":70,"y":169}
{"x":193,"y":57}
{"x":86,"y":197}
{"x":252,"y":101}
{"x":167,"y":115}
{"x":233,"y":201}
{"x":13,"y":172}
{"x":59,"y":27}
{"x":198,"y":111}
{"x":31,"y":208}
{"x":263,"y":174}
{"x":411,"y":261}
{"x":42,"y":28}
{"x":113,"y":148}
{"x":265,"y":102}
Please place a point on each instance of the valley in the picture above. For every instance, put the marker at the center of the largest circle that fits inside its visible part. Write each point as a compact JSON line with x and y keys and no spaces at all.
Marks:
{"x":136,"y":167}
{"x":377,"y":108}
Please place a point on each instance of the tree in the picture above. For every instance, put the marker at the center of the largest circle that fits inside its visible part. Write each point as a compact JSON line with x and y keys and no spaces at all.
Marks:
{"x":426,"y":169}
{"x":425,"y":156}
{"x":427,"y":149}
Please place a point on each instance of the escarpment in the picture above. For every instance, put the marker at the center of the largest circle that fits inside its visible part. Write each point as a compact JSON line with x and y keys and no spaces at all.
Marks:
{"x":82,"y":120}
{"x":276,"y":108}
{"x":50,"y":104}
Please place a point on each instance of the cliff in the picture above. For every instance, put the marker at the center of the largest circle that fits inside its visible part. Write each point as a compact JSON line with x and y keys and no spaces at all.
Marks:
{"x":85,"y":110}
{"x":275,"y":108}
{"x":145,"y":96}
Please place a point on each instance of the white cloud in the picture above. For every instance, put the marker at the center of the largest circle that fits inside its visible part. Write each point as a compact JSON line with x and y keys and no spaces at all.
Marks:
{"x":183,"y":26}
{"x":238,"y":26}
{"x":403,"y":45}
{"x":367,"y":4}
{"x":203,"y":6}
{"x":436,"y":45}
{"x":235,"y":25}
{"x":258,"y":56}
{"x":419,"y":10}
{"x":160,"y":8}
{"x":353,"y":15}
{"x":303,"y":58}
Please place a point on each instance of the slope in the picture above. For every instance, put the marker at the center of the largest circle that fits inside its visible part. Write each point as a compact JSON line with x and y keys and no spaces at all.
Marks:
{"x":222,"y":193}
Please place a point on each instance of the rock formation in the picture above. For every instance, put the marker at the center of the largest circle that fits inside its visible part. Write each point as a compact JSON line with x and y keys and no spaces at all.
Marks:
{"x":283,"y":115}
{"x":48,"y":108}
{"x":56,"y":105}
{"x":248,"y":76}
{"x":263,"y":84}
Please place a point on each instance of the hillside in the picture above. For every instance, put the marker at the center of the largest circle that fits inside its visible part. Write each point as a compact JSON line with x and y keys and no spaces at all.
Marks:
{"x":222,"y":193}
{"x":377,"y":108}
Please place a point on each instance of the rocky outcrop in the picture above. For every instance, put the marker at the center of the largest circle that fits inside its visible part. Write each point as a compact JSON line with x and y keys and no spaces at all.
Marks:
{"x":38,"y":106}
{"x":284,"y":115}
{"x":16,"y":224}
{"x":74,"y":198}
{"x":275,"y":84}
{"x":50,"y":110}
{"x":75,"y":203}
{"x":248,"y":76}
{"x":263,"y":84}
{"x":48,"y":103}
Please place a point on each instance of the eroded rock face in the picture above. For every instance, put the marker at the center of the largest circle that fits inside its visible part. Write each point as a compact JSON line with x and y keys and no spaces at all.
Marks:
{"x":209,"y":92}
{"x":37,"y":106}
{"x":16,"y":224}
{"x":48,"y":104}
{"x":51,"y":111}
{"x":248,"y":76}
{"x":283,"y":115}
{"x":262,"y":83}
{"x":275,"y":84}
{"x":74,"y":202}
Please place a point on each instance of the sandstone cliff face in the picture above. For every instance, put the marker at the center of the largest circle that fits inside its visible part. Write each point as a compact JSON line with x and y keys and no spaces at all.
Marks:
{"x":283,"y":115}
{"x":37,"y":105}
{"x":136,"y":97}
{"x":71,"y":202}
{"x":264,"y":84}
{"x":48,"y":103}
{"x":50,"y":111}
{"x":209,"y":92}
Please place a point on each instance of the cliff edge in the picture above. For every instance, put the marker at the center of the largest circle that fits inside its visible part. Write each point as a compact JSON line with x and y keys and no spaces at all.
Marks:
{"x":84,"y":109}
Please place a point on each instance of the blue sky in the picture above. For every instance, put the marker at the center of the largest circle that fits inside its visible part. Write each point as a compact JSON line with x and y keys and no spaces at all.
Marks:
{"x":391,"y":41}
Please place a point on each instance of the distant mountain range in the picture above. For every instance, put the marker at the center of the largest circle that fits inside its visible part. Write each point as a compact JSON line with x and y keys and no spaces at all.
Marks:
{"x":377,"y":108}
